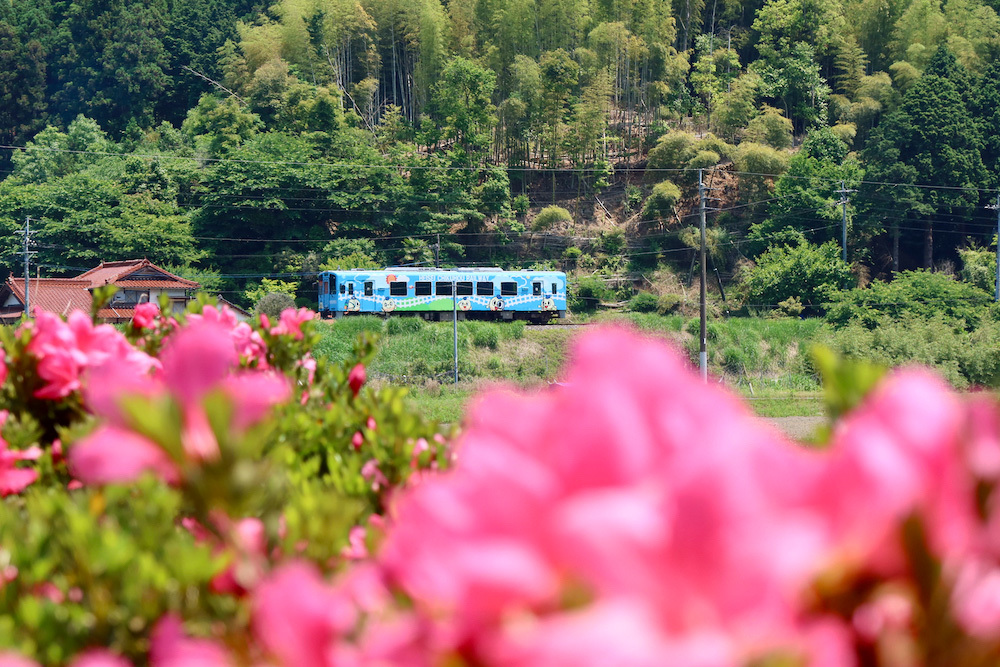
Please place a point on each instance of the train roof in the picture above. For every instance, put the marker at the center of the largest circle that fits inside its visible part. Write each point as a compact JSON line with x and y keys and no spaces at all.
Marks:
{"x":408,"y":269}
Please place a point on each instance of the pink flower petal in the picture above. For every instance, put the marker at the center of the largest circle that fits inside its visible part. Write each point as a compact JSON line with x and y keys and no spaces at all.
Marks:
{"x":113,"y":455}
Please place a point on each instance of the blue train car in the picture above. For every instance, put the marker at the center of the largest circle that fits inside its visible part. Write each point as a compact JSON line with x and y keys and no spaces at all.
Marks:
{"x":433,"y":293}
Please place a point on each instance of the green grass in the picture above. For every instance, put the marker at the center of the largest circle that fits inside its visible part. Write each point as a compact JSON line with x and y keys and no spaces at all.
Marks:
{"x":762,"y":359}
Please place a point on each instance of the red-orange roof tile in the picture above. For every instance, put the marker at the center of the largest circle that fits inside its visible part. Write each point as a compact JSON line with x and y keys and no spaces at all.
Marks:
{"x":56,"y":295}
{"x":113,"y":272}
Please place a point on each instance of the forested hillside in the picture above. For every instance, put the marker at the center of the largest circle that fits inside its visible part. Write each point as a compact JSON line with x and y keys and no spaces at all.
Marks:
{"x":232,"y":141}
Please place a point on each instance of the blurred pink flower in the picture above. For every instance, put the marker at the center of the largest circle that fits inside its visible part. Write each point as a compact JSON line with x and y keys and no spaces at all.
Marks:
{"x":976,"y":599}
{"x":249,"y":543}
{"x":145,"y":315}
{"x":99,"y":658}
{"x":371,"y":472}
{"x":3,"y":365}
{"x":356,"y":378}
{"x":356,"y":548}
{"x":170,"y":647}
{"x":112,"y":455}
{"x":297,"y":616}
{"x":14,"y":660}
{"x":896,"y":454}
{"x":633,"y":481}
{"x":12,"y":479}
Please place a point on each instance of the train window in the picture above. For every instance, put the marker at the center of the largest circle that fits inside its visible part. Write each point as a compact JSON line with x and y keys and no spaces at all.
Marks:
{"x":369,"y":285}
{"x":397,"y":288}
{"x":422,"y":288}
{"x":536,"y":289}
{"x":442,"y":288}
{"x":508,"y":289}
{"x":484,"y":289}
{"x":350,"y":288}
{"x":343,"y":288}
{"x":555,"y":287}
{"x":464,"y":288}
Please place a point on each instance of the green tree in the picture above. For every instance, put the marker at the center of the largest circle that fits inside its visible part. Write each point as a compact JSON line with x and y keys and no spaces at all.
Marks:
{"x":930,"y":140}
{"x":813,"y":274}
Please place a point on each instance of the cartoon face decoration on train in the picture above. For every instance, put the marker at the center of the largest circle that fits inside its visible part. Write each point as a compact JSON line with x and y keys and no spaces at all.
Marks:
{"x":388,"y":305}
{"x":353,"y":305}
{"x":496,"y":304}
{"x":548,"y":303}
{"x":465,"y":304}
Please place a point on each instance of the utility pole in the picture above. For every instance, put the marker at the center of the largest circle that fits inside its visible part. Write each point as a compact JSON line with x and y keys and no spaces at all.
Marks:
{"x":454,"y":319}
{"x":996,"y":207}
{"x":843,"y":192}
{"x":26,"y":232}
{"x":703,"y":350}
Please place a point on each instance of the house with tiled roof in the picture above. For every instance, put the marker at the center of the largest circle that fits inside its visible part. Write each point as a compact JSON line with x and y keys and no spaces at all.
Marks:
{"x":137,"y":280}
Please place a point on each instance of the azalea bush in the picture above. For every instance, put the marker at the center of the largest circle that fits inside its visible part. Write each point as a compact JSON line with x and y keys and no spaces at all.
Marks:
{"x":201,"y":504}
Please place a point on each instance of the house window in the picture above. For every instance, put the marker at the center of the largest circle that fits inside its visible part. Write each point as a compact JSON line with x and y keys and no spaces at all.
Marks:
{"x":369,"y":285}
{"x":484,"y":289}
{"x":536,"y":289}
{"x":397,"y":288}
{"x":423,"y":288}
{"x":442,"y":288}
{"x":508,"y":289}
{"x":464,"y":288}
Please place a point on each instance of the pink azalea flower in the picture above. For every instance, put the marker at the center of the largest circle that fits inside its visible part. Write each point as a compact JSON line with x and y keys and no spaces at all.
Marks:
{"x":250,"y":544}
{"x":3,"y":366}
{"x":976,"y":600}
{"x":99,"y":658}
{"x":254,"y":394}
{"x":636,"y":481}
{"x":14,"y":480}
{"x":356,"y":548}
{"x":356,"y":378}
{"x":14,"y":660}
{"x":357,"y":440}
{"x":112,"y":455}
{"x":297,"y":616}
{"x":145,"y":315}
{"x":896,"y":454}
{"x":371,"y":472}
{"x":170,"y":647}
{"x":196,"y":359}
{"x":291,"y":322}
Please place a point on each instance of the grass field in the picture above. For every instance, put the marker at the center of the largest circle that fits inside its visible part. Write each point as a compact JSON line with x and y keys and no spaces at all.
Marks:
{"x":764,"y":360}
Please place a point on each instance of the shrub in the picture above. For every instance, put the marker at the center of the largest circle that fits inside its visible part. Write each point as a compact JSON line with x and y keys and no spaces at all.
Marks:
{"x":771,"y":128}
{"x":920,"y":293}
{"x":549,"y":217}
{"x":703,"y":160}
{"x":401,"y":325}
{"x":521,"y":204}
{"x":672,"y":151}
{"x":273,"y":304}
{"x":587,"y":292}
{"x":712,"y":143}
{"x":979,"y":268}
{"x":812,"y":274}
{"x":845,"y":132}
{"x":964,"y":358}
{"x":668,"y":304}
{"x":643,"y":302}
{"x":660,"y":204}
{"x":484,"y":334}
